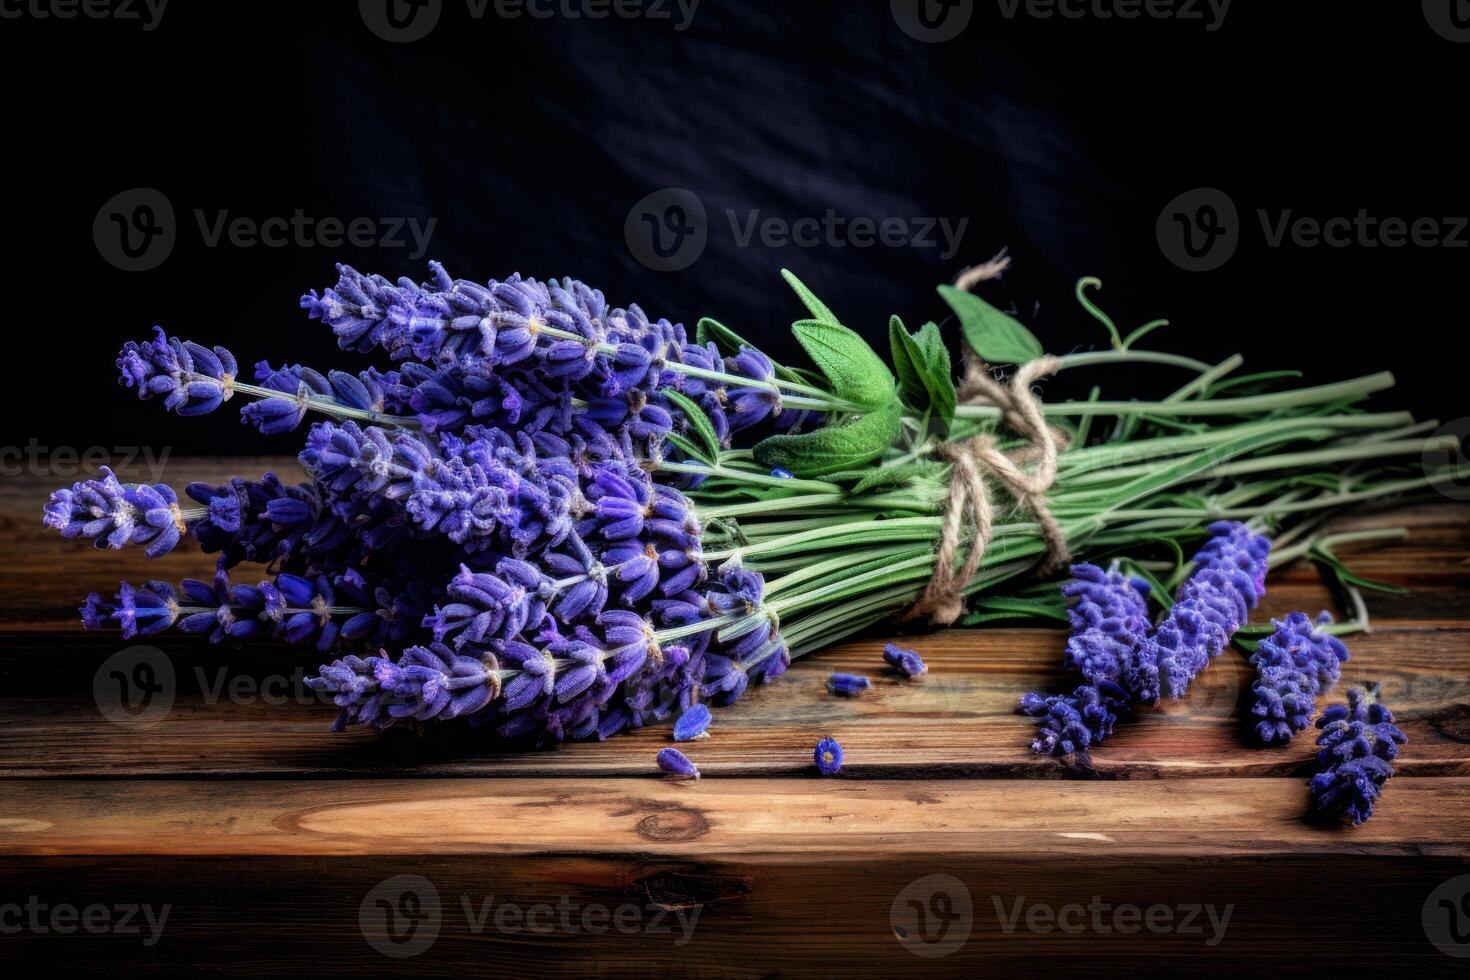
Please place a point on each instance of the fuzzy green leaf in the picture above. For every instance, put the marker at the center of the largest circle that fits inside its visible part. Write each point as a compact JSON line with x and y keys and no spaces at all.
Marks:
{"x":997,"y":337}
{"x":923,"y":366}
{"x":855,"y":372}
{"x":834,"y":448}
{"x":891,"y":476}
{"x":809,"y":299}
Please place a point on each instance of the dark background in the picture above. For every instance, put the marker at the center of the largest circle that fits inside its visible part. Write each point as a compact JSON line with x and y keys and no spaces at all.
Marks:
{"x":530,"y":139}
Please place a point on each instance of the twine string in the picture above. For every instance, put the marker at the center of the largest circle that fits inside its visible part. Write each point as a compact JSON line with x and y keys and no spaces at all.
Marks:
{"x":1026,"y":473}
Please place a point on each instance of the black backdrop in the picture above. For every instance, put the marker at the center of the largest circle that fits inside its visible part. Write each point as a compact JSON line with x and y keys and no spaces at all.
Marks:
{"x":531,"y":140}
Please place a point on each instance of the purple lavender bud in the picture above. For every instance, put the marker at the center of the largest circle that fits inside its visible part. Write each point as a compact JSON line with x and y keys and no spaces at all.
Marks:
{"x":848,"y":685}
{"x":692,"y":723}
{"x":828,"y":757}
{"x":907,"y":662}
{"x":1359,"y":741}
{"x":676,"y":764}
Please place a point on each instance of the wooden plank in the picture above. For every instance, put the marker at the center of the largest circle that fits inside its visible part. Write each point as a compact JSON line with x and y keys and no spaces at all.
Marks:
{"x":765,"y":820}
{"x":245,"y":713}
{"x":727,"y":877}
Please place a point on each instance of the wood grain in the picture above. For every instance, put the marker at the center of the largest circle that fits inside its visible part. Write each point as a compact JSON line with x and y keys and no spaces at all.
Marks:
{"x":266,"y":833}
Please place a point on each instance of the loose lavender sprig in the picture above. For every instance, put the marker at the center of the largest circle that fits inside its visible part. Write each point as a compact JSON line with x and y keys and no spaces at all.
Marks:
{"x":1070,"y":725}
{"x":1228,"y":580}
{"x":1293,"y":666}
{"x":1359,"y":740}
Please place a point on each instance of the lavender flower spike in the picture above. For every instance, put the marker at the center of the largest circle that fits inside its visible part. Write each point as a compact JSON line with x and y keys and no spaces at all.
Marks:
{"x":1227,"y":582}
{"x":1293,"y":666}
{"x":1069,"y":725}
{"x":1109,"y":619}
{"x":1359,"y":740}
{"x":114,"y":514}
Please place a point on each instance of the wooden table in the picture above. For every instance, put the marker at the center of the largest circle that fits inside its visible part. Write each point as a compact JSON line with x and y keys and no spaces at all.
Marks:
{"x":945,"y":845}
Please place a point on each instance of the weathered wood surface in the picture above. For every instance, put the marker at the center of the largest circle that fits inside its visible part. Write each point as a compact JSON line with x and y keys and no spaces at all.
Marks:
{"x":271,"y":838}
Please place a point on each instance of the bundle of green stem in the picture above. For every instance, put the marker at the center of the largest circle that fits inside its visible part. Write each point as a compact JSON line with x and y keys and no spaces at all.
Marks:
{"x":844,"y":550}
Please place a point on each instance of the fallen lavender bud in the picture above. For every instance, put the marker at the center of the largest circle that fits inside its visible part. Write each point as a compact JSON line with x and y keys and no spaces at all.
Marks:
{"x":828,"y":757}
{"x":676,"y":764}
{"x":692,"y":723}
{"x":848,"y":685}
{"x":907,"y":662}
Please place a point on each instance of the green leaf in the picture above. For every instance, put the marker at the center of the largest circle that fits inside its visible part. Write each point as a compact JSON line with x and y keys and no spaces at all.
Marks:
{"x":855,"y":372}
{"x":699,"y":423}
{"x":834,"y":448}
{"x":922,"y":362}
{"x":818,"y":309}
{"x":997,"y":337}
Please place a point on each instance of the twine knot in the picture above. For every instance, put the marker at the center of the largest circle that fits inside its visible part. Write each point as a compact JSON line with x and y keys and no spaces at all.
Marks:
{"x":1027,"y":473}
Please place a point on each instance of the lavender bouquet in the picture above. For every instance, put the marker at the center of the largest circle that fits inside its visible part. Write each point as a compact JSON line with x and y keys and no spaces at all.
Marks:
{"x":555,"y":518}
